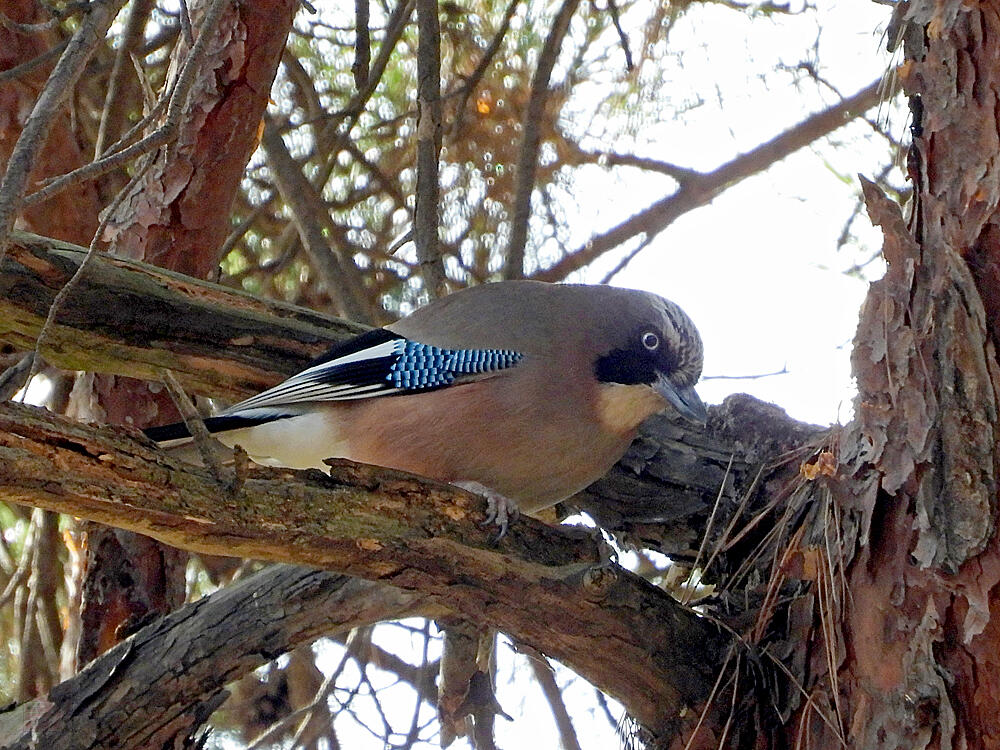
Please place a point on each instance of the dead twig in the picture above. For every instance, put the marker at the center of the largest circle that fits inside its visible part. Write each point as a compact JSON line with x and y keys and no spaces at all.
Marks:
{"x":311,"y":216}
{"x":185,"y":16}
{"x":36,"y":62}
{"x":756,"y":376}
{"x":176,"y":103}
{"x":362,"y":44}
{"x":132,"y":37}
{"x":425,"y":231}
{"x":393,"y":33}
{"x":484,"y":63}
{"x":622,"y":36}
{"x":20,"y":574}
{"x":546,"y":679}
{"x":195,"y":424}
{"x":689,"y":588}
{"x":96,"y":168}
{"x":75,"y":279}
{"x":527,"y":161}
{"x":28,"y":28}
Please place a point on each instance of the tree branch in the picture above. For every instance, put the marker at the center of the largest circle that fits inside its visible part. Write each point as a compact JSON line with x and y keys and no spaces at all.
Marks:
{"x":544,"y":585}
{"x":146,"y":690}
{"x":394,"y":28}
{"x":697,"y":191}
{"x":362,"y":44}
{"x":469,"y":85}
{"x":546,"y":680}
{"x":527,"y":160}
{"x":119,"y":95}
{"x":36,"y":62}
{"x":60,"y":84}
{"x":336,"y":267}
{"x":133,"y":319}
{"x":425,"y":225}
{"x":128,"y":317}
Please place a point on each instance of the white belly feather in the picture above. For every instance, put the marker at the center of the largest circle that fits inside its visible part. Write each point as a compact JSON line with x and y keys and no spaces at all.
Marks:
{"x":301,"y":442}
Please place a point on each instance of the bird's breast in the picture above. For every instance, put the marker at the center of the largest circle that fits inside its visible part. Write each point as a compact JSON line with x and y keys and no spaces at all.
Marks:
{"x":534,"y":441}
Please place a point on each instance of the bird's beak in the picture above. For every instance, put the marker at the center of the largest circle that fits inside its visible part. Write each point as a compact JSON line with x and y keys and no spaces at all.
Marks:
{"x":684,"y":400}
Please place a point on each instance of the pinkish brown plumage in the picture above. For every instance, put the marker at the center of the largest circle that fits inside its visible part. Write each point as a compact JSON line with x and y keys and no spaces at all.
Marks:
{"x":528,"y":389}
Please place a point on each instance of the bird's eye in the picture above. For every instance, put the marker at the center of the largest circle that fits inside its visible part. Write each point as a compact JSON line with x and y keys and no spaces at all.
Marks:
{"x":651,"y":341}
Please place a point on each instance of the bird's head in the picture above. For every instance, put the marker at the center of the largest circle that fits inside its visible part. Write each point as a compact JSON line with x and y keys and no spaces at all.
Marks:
{"x":655,"y":349}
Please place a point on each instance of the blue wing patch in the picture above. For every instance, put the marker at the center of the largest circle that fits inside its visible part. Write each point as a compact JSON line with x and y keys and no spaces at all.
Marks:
{"x":420,"y":366}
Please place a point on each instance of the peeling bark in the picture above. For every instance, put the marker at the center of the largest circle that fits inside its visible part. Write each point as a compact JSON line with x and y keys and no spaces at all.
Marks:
{"x":177,"y":215}
{"x":917,"y":636}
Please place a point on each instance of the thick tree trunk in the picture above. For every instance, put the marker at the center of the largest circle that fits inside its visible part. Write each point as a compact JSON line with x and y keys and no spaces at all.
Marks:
{"x":176,"y":216}
{"x":901,"y":649}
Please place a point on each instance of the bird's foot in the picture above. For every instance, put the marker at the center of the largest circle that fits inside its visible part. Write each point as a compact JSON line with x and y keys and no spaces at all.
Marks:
{"x":500,"y":509}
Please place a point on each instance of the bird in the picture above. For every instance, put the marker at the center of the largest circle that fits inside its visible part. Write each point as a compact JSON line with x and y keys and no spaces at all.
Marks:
{"x":524,"y":391}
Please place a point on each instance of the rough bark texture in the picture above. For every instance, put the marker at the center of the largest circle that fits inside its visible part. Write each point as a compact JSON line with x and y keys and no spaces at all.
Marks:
{"x":663,"y":490}
{"x":71,"y":216}
{"x":860,"y":568}
{"x":906,"y":634}
{"x":543,"y":585}
{"x":131,"y":318}
{"x":177,"y":216}
{"x":128,"y":578}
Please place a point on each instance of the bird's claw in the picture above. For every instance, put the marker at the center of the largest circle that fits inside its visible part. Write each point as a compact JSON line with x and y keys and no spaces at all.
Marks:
{"x":500,"y":511}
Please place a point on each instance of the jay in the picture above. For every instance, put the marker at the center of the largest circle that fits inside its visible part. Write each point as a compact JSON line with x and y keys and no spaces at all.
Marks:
{"x":522,"y":390}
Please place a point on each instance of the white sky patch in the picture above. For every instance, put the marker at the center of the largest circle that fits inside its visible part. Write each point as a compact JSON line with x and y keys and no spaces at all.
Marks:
{"x":758,"y":269}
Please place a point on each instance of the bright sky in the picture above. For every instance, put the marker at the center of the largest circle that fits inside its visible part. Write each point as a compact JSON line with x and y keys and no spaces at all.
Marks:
{"x":758,"y":270}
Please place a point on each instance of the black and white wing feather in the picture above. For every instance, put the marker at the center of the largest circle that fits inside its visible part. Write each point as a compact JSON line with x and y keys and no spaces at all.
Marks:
{"x":377,"y":363}
{"x":380,"y":363}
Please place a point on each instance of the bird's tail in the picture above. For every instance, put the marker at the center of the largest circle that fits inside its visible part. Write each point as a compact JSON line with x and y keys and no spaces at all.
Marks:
{"x":169,"y":435}
{"x":177,"y":440}
{"x":177,"y":434}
